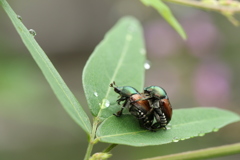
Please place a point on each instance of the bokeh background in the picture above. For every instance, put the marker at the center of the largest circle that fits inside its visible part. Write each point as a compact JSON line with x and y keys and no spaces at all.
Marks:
{"x":202,"y":71}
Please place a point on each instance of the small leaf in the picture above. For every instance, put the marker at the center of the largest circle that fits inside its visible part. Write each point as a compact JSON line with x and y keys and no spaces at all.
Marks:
{"x":186,"y":123}
{"x":100,"y":156}
{"x":119,"y":57}
{"x":64,"y":95}
{"x":167,"y":15}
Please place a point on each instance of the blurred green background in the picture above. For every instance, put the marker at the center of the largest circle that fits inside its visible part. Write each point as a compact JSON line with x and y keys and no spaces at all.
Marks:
{"x":202,"y":71}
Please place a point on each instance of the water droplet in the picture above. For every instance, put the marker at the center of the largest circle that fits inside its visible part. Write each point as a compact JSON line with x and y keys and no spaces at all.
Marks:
{"x":168,"y":128}
{"x":142,"y":51}
{"x":183,"y":139}
{"x":105,"y":103}
{"x":19,"y":17}
{"x":95,"y":94}
{"x":187,"y":138}
{"x":215,"y":129}
{"x":201,"y":134}
{"x":129,"y":37}
{"x":32,"y":32}
{"x":175,"y":139}
{"x":147,"y":64}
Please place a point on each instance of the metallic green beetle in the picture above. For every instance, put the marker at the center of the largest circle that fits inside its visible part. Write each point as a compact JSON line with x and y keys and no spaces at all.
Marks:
{"x":138,"y":106}
{"x":160,"y":102}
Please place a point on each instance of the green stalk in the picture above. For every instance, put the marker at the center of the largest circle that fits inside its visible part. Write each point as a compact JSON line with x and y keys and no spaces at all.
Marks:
{"x":203,"y":153}
{"x":199,"y":4}
{"x":92,"y":140}
{"x":109,"y":148}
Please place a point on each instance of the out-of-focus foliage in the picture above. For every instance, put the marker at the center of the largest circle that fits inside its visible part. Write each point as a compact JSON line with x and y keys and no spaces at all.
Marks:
{"x":167,"y":15}
{"x":69,"y":31}
{"x":59,"y":87}
{"x":228,"y":8}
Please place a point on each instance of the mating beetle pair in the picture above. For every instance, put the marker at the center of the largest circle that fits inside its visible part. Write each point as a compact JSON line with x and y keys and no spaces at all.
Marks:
{"x":154,"y":103}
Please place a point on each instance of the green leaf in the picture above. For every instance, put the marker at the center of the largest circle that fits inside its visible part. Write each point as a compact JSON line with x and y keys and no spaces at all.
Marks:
{"x":167,"y":15}
{"x":59,"y":87}
{"x":119,"y":57}
{"x":186,"y":123}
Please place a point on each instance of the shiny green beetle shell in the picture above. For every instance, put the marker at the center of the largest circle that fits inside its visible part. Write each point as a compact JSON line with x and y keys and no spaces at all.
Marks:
{"x":126,"y":91}
{"x":156,"y":92}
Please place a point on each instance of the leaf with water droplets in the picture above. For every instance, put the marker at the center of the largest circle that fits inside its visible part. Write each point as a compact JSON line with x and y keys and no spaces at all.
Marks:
{"x":19,"y":17}
{"x":185,"y":123}
{"x":63,"y":93}
{"x":95,"y":94}
{"x":119,"y":57}
{"x":147,"y":65}
{"x":32,"y":32}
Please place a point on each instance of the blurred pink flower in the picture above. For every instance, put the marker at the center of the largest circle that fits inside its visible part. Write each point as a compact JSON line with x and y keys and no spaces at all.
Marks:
{"x":212,"y":84}
{"x":161,"y":39}
{"x":203,"y":36}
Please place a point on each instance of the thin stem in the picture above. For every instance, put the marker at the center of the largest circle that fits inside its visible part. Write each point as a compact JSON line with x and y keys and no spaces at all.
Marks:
{"x":89,"y":151}
{"x":109,"y":148}
{"x":92,"y":139}
{"x":203,"y":153}
{"x":199,"y":4}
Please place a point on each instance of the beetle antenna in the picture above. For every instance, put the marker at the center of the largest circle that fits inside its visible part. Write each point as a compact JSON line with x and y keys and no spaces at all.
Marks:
{"x":113,"y":84}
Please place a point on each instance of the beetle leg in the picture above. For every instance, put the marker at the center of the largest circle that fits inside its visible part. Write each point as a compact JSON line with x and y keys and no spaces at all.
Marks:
{"x":119,"y":113}
{"x":146,"y":125}
{"x":157,"y":124}
{"x":135,"y":111}
{"x":120,"y":100}
{"x":147,"y":121}
{"x":160,"y":118}
{"x":149,"y":112}
{"x":155,"y":104}
{"x":125,"y":104}
{"x":150,"y":129}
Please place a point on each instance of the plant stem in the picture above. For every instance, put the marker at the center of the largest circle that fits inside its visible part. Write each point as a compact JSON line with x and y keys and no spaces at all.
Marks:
{"x":109,"y":148}
{"x":199,"y":4}
{"x":89,"y":151}
{"x":92,"y":139}
{"x":203,"y":153}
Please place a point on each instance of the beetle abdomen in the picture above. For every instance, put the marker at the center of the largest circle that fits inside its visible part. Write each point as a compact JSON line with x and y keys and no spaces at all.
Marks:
{"x":166,"y":108}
